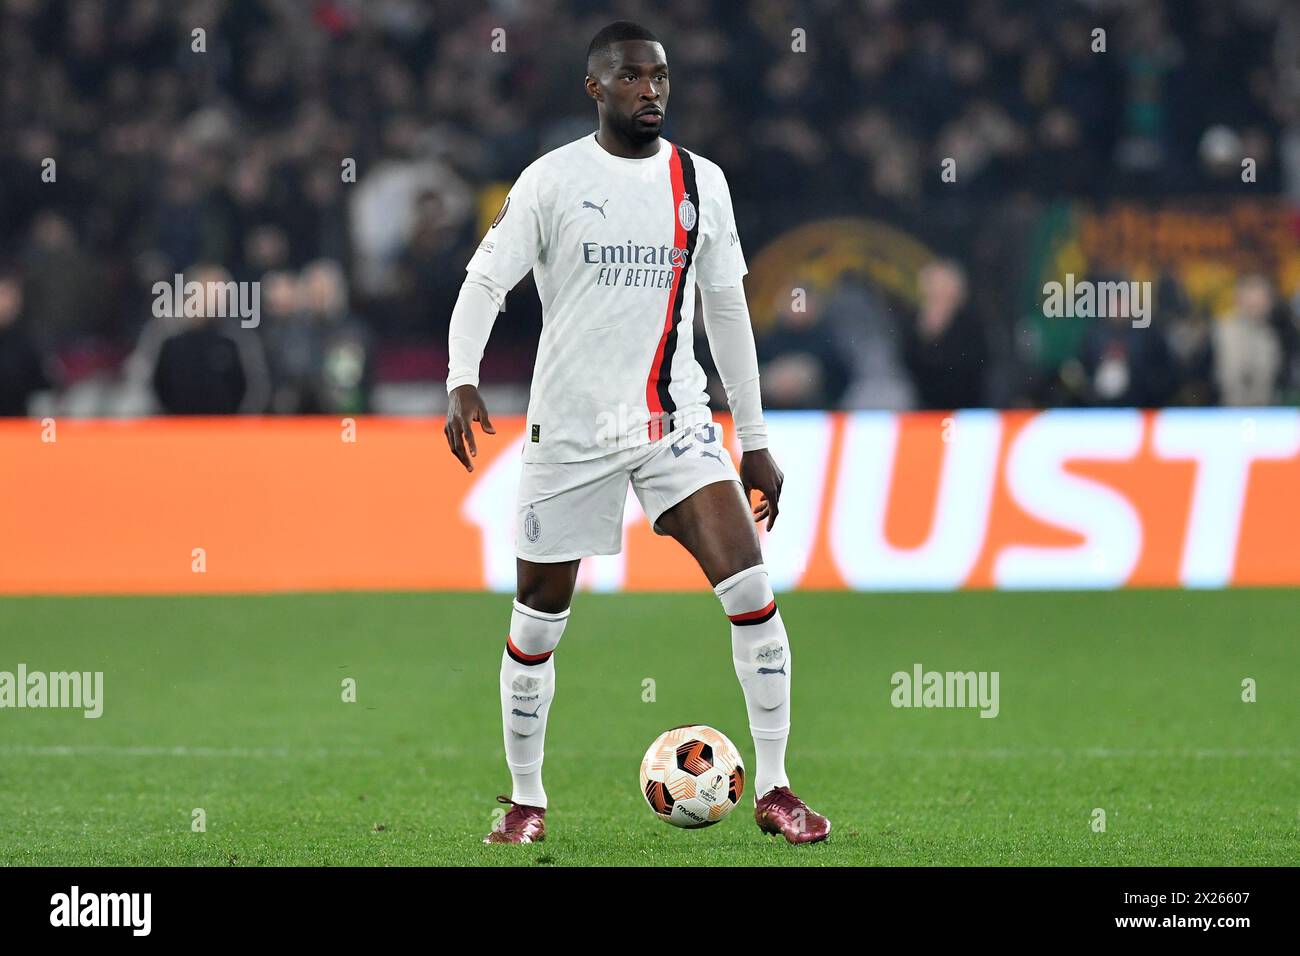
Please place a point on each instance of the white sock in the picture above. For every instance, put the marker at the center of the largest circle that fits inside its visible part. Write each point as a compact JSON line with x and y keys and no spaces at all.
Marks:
{"x":761,"y":655}
{"x":527,"y":689}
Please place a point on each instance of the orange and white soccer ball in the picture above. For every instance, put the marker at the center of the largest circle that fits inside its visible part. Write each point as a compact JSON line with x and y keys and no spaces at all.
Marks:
{"x":692,"y":776}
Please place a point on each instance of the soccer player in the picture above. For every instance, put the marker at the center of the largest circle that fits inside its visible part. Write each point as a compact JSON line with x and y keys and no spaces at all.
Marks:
{"x":620,"y":227}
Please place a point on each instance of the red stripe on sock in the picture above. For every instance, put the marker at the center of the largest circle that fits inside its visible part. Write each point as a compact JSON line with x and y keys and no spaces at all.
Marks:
{"x":530,"y":658}
{"x":750,"y":615}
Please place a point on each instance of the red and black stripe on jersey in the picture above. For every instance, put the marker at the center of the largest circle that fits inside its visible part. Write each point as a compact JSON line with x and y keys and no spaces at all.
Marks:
{"x":659,"y":399}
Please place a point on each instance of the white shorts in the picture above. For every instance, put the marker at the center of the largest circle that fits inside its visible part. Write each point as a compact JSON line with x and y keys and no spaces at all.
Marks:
{"x":574,"y":509}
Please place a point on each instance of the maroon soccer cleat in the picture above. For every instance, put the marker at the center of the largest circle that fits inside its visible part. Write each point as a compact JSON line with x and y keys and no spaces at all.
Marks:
{"x":780,"y":811}
{"x":520,"y":825}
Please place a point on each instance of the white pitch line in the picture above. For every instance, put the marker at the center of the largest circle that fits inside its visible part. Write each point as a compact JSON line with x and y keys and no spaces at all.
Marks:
{"x":181,"y":751}
{"x":1128,"y":753}
{"x":990,"y":753}
{"x":1103,"y":753}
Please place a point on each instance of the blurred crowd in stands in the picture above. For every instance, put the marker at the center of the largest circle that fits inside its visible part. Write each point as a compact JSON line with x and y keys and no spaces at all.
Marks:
{"x":224,"y":156}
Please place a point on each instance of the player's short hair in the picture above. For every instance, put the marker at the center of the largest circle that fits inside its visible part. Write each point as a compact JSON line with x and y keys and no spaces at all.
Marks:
{"x":616,"y":32}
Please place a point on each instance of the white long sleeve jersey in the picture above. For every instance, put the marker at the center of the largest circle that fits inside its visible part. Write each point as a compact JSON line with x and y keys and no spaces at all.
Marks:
{"x":617,"y":247}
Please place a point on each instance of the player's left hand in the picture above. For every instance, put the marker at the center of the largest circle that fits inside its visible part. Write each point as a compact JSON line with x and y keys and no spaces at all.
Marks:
{"x":758,"y":470}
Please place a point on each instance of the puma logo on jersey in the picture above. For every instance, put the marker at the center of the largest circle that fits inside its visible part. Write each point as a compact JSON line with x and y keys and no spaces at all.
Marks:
{"x":516,"y":712}
{"x":591,"y":205}
{"x":712,"y":454}
{"x":773,"y":670}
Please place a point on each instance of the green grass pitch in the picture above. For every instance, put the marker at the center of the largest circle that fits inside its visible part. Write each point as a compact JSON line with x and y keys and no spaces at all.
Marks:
{"x":1125,"y":701}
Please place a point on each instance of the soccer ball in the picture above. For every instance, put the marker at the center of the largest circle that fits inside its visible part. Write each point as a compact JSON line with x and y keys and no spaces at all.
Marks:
{"x":692,"y":776}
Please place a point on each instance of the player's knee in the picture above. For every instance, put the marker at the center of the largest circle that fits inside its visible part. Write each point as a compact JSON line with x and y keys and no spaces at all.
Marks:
{"x":534,"y":634}
{"x":746,"y":596}
{"x":546,"y":588}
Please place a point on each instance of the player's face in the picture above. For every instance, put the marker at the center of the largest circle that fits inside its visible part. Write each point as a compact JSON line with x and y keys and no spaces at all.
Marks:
{"x":633,"y":89}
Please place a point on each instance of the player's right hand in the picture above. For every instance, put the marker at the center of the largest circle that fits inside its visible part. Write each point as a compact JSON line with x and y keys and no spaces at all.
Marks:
{"x":465,"y":406}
